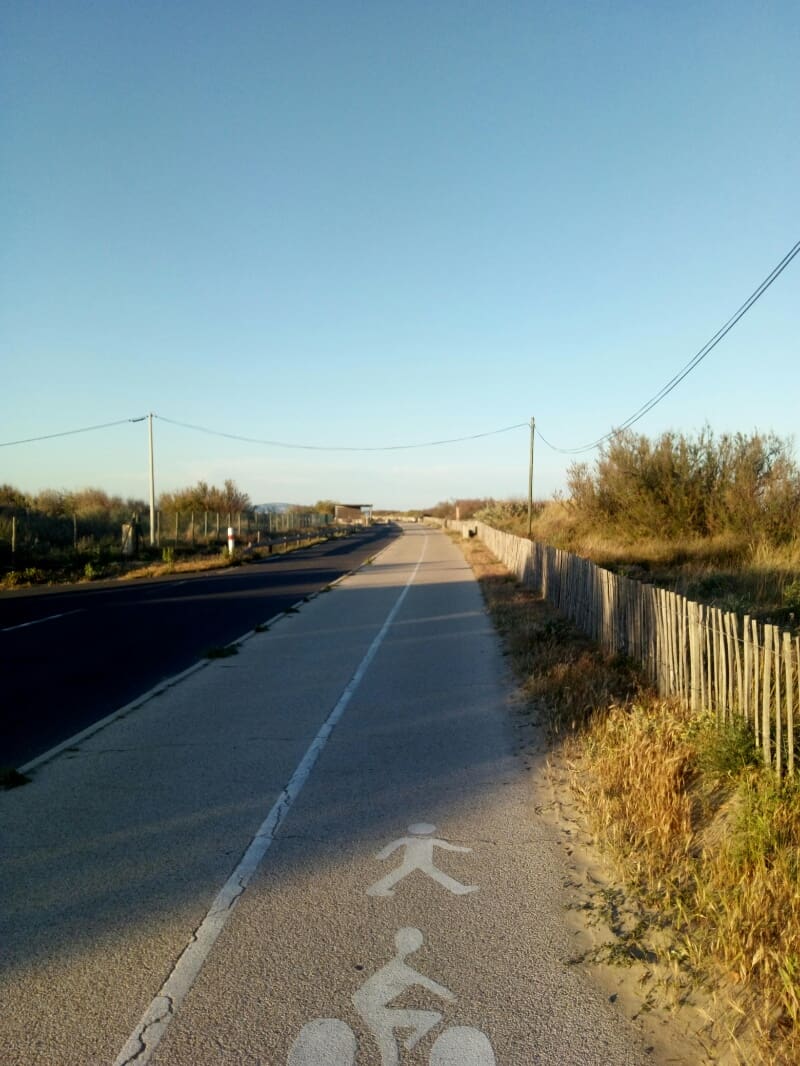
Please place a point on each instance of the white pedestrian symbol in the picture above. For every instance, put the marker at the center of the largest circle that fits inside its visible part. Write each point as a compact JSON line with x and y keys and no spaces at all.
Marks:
{"x":330,"y":1042}
{"x":419,"y":856}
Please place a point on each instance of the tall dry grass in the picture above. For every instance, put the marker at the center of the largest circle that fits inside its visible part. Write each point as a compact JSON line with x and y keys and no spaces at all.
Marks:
{"x":716,"y":843}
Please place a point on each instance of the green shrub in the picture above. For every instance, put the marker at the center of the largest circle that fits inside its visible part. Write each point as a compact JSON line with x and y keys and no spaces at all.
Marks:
{"x":791,"y":596}
{"x":678,"y":486}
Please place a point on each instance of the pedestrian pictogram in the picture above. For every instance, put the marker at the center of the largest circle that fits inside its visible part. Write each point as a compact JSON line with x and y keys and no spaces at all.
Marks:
{"x":419,"y":856}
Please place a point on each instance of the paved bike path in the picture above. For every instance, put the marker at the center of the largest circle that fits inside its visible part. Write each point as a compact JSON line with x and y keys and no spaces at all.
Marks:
{"x":407,"y":907}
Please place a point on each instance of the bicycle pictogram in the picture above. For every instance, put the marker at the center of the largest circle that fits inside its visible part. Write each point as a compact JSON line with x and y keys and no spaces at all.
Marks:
{"x":331,"y":1042}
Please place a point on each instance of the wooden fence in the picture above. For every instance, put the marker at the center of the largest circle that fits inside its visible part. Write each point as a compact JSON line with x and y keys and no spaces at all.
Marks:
{"x":713,"y":660}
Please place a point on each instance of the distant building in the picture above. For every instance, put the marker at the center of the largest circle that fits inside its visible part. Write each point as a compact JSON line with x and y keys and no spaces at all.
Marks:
{"x":350,"y":514}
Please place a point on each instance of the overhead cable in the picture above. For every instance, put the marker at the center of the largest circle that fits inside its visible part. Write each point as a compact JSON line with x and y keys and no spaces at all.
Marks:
{"x":666,"y":389}
{"x":71,"y":432}
{"x":337,"y":447}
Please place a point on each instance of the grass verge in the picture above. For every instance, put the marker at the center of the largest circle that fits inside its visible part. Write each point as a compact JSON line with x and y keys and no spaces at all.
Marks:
{"x":186,"y":561}
{"x":704,"y":843}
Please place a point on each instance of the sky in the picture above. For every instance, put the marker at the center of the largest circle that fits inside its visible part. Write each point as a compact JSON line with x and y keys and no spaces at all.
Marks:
{"x":351,"y":227}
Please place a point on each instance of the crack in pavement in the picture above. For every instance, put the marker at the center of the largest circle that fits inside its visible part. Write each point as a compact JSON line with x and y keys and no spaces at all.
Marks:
{"x":158,"y":1015}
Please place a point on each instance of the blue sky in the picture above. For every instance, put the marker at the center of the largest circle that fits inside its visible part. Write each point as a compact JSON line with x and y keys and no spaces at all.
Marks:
{"x":376,"y":224}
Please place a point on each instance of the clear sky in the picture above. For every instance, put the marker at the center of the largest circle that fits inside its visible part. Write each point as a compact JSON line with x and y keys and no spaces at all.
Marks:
{"x":368,"y":224}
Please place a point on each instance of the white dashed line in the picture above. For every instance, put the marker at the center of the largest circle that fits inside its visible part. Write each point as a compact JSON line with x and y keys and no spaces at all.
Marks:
{"x":37,"y":621}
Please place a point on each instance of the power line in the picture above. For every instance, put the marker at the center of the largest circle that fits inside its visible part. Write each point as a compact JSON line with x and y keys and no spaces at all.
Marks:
{"x":337,"y":447}
{"x":708,"y":347}
{"x":71,"y":432}
{"x":268,"y":443}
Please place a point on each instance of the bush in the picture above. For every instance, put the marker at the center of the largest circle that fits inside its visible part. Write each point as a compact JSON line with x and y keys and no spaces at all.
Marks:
{"x":679,"y":486}
{"x":791,"y":596}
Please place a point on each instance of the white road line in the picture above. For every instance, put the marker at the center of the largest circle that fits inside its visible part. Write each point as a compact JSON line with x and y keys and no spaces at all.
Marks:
{"x":154,"y":1022}
{"x":37,"y":621}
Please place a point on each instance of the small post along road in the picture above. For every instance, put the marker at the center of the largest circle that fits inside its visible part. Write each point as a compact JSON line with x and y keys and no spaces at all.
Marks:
{"x":320,"y":851}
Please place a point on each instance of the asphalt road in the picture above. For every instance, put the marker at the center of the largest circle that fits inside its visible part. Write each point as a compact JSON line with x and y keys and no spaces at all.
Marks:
{"x":70,"y":656}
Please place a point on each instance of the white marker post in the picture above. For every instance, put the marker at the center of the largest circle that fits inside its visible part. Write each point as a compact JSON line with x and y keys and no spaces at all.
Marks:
{"x":231,"y":540}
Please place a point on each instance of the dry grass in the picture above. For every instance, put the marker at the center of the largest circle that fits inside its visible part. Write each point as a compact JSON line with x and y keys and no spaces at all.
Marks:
{"x":735,"y":572}
{"x":698,"y":832}
{"x":197,"y":562}
{"x":562,"y":672}
{"x":217,"y":561}
{"x":717,"y":849}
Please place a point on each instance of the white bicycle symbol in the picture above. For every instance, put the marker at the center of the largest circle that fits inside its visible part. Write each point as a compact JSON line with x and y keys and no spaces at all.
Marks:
{"x":330,"y":1042}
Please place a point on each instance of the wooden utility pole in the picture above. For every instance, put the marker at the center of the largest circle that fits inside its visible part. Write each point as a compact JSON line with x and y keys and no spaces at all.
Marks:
{"x":152,"y":486}
{"x":530,"y":481}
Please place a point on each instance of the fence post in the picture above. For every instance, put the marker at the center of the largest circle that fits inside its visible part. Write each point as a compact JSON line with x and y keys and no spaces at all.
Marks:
{"x":695,"y":686}
{"x":790,"y":706}
{"x":736,"y":701}
{"x":778,"y":716}
{"x":747,"y":684}
{"x":766,"y":693}
{"x":756,"y":682}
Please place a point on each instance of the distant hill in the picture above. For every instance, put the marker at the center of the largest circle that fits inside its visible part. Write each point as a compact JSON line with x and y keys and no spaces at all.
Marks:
{"x":280,"y":508}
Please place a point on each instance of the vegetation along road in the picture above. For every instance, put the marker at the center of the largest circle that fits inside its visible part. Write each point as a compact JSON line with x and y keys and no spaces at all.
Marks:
{"x":70,"y":656}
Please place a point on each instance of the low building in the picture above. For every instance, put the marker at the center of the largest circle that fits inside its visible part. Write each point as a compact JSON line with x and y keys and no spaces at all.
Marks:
{"x":353,"y":514}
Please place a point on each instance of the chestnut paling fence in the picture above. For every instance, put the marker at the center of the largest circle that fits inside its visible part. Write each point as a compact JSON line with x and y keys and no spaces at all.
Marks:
{"x":711,"y":659}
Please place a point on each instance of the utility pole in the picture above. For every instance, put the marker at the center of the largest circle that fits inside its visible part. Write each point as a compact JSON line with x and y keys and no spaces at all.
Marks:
{"x":152,"y":485}
{"x":530,"y":481}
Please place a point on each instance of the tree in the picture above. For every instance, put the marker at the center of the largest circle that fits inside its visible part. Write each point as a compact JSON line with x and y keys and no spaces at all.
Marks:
{"x":12,"y":498}
{"x":204,"y":497}
{"x":325,"y":507}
